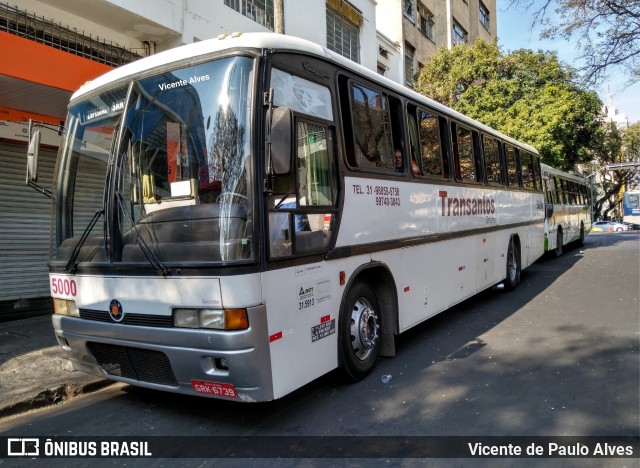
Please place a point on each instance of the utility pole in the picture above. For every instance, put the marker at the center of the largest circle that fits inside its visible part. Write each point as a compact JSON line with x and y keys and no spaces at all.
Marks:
{"x":278,"y":16}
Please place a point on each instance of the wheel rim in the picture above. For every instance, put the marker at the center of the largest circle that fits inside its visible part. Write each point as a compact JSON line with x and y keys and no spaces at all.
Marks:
{"x":364,"y":329}
{"x":512,"y":265}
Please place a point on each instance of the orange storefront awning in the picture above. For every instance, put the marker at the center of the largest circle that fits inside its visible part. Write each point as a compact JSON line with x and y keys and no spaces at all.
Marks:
{"x":37,"y":63}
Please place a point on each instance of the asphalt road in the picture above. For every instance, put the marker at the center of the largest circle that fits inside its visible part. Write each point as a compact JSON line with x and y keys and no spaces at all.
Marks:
{"x":557,"y":357}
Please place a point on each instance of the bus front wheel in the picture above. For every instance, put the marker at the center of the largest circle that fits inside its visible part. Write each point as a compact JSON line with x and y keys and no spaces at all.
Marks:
{"x":513,"y":266}
{"x":360,"y":337}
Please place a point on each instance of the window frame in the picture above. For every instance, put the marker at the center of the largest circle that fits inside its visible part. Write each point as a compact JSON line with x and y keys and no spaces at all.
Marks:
{"x":243,"y":6}
{"x":460,"y":36}
{"x":426,"y":22}
{"x":348,"y":28}
{"x":484,"y":16}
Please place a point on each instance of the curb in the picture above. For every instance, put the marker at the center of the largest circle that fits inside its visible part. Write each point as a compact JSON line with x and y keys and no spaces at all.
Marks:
{"x":53,"y":396}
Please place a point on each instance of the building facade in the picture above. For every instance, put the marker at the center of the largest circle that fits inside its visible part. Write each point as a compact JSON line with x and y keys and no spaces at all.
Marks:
{"x":421,"y":28}
{"x":49,"y":54}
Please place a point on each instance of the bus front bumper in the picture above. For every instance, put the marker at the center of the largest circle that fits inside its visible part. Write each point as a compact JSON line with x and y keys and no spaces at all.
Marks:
{"x":220,"y":364}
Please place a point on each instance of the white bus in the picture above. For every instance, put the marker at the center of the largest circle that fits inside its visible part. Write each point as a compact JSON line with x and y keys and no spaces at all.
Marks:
{"x":568,"y":209}
{"x":236,"y":217}
{"x":631,"y":207}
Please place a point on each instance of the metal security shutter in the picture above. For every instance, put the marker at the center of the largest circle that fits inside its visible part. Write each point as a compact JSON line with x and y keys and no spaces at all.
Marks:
{"x":24,"y":224}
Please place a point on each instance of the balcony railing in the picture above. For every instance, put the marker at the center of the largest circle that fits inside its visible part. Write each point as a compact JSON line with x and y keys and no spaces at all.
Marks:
{"x":43,"y":31}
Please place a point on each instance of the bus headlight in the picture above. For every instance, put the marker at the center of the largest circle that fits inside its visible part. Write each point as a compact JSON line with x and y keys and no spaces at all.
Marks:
{"x":217,"y":319}
{"x":65,"y":307}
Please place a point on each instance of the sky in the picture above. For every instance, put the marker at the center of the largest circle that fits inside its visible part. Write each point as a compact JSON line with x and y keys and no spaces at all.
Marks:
{"x":514,"y":32}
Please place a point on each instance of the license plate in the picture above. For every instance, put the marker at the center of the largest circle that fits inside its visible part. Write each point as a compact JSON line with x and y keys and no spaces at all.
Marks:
{"x":214,"y":388}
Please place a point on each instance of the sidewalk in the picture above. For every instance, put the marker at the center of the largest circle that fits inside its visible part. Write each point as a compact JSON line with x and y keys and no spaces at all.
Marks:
{"x":33,"y":370}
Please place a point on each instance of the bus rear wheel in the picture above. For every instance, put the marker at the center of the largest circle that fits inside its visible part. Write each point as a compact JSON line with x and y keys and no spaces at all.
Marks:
{"x":360,"y":337}
{"x":513,"y":266}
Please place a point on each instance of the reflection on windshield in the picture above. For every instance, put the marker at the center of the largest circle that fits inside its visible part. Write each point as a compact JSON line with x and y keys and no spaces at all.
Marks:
{"x":178,"y":183}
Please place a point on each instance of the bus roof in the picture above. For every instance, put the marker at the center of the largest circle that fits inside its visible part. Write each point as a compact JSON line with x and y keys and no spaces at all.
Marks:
{"x":272,"y":41}
{"x":557,"y":172}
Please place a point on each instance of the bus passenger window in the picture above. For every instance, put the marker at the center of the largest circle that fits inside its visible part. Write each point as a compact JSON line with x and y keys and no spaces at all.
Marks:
{"x":430,"y":147}
{"x":558,"y":189}
{"x":527,"y":171}
{"x":512,"y":166}
{"x":550,"y":192}
{"x":371,"y":128}
{"x":492,"y":160}
{"x":537,"y":174}
{"x":465,"y":158}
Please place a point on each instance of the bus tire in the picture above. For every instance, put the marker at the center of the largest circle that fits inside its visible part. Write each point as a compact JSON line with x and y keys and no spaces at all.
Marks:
{"x":559,"y":240}
{"x":513,"y":267}
{"x":360,"y":337}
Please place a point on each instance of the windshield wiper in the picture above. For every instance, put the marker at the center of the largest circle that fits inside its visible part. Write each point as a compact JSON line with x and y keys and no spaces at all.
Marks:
{"x":71,"y":265}
{"x":153,"y":259}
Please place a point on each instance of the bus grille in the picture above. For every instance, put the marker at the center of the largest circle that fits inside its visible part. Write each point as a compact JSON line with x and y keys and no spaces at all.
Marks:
{"x":134,"y":363}
{"x":146,"y":320}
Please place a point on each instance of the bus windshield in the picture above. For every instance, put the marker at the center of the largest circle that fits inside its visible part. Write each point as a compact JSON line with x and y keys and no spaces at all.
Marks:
{"x":157,"y":170}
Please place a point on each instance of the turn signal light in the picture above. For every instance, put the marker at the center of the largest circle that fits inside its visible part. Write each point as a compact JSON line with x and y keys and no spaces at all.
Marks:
{"x":65,"y":307}
{"x":216,"y":319}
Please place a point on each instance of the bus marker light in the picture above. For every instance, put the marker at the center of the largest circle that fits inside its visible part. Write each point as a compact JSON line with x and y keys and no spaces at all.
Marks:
{"x":407,"y":288}
{"x":214,"y":388}
{"x":275,"y":337}
{"x":343,"y":278}
{"x":324,"y":319}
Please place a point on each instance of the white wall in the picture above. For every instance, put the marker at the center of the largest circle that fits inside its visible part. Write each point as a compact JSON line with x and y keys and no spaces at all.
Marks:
{"x":170,"y":23}
{"x":80,"y":22}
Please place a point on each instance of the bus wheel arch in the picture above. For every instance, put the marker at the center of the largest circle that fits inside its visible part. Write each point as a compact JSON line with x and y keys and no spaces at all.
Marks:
{"x":367,"y":321}
{"x":514,"y":264}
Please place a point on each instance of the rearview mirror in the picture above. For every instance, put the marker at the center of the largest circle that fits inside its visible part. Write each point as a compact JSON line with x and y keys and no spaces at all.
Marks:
{"x":281,"y":140}
{"x":32,"y":157}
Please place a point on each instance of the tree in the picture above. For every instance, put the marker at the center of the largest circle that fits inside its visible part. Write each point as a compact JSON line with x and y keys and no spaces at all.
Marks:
{"x":607,"y":32}
{"x":618,"y":145}
{"x":529,"y":96}
{"x":631,"y":143}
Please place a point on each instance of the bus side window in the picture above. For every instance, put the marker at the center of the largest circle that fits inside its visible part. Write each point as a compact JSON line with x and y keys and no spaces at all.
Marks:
{"x":491,"y":152}
{"x":371,"y":117}
{"x":528,"y":177}
{"x":537,"y":173}
{"x":549,"y":189}
{"x":430,"y":144}
{"x":316,"y":187}
{"x":512,"y":166}
{"x":558,"y":189}
{"x":463,"y":150}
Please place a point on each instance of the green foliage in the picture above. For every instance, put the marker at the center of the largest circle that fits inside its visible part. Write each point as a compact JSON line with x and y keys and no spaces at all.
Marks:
{"x":529,"y":96}
{"x":631,"y":142}
{"x":605,"y":33}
